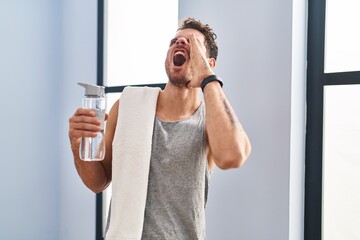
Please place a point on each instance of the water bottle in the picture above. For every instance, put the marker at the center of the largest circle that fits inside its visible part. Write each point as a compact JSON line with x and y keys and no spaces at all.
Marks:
{"x":93,"y":149}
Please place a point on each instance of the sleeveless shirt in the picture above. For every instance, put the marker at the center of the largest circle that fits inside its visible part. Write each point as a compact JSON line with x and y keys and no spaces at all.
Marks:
{"x":178,"y":180}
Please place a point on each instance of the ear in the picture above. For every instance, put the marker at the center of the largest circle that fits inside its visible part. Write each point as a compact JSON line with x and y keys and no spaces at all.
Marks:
{"x":212,"y":62}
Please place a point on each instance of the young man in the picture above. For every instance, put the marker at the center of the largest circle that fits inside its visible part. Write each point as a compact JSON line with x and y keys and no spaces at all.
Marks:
{"x":189,"y":139}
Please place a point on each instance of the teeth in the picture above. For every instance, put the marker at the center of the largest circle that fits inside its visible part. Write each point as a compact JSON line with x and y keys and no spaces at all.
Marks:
{"x":179,"y":52}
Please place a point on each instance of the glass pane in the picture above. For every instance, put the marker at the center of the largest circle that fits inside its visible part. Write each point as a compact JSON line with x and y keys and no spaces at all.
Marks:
{"x":138,"y":33}
{"x":342,"y":38}
{"x":341,"y":163}
{"x":111,"y":98}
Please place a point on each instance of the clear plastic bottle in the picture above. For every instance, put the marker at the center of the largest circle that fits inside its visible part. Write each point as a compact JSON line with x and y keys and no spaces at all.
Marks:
{"x":93,"y":149}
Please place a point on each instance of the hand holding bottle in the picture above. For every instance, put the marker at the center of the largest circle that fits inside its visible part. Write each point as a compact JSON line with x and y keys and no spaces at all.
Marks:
{"x":86,"y":130}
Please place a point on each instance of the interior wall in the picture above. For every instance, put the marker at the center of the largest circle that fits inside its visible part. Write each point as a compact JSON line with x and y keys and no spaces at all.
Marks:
{"x":30,"y":73}
{"x":298,"y":122}
{"x":79,"y":21}
{"x":255,"y":62}
{"x":47,"y":46}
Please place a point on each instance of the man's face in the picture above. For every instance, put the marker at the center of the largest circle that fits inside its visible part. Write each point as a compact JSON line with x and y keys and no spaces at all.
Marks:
{"x":177,"y":62}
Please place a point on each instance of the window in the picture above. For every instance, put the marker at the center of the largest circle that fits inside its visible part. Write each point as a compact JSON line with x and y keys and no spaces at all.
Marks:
{"x":333,"y":121}
{"x":342,"y":37}
{"x":137,"y":37}
{"x":341,"y":162}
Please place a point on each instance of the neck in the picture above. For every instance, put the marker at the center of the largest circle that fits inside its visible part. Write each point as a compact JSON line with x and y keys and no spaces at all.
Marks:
{"x":176,"y":103}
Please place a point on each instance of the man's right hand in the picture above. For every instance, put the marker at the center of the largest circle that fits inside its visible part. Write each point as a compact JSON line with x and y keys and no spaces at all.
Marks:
{"x":83,"y":123}
{"x":96,"y":175}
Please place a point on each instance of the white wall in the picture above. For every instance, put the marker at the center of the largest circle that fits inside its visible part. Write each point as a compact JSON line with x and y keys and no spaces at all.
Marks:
{"x":49,"y":45}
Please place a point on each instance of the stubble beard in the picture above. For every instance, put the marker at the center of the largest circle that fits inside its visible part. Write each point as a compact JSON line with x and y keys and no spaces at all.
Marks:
{"x":178,"y":81}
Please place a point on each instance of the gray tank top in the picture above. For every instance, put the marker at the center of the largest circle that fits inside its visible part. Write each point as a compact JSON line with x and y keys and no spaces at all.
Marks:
{"x":178,"y":180}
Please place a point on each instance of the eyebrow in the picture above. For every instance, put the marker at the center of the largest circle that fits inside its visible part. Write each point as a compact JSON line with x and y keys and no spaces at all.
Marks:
{"x":176,"y":38}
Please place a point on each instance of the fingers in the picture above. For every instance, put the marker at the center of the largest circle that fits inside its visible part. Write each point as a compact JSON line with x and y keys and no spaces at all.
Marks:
{"x":84,"y":123}
{"x":194,"y":45}
{"x":84,"y":111}
{"x":199,"y":63}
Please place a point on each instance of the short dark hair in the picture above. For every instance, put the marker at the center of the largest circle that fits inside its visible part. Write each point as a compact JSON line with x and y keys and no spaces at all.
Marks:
{"x":210,"y":36}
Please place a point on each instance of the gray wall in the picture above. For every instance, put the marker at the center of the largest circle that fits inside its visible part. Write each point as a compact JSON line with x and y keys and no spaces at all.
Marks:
{"x":49,"y":45}
{"x":79,"y":35}
{"x":30,"y":73}
{"x":46,"y":47}
{"x":255,"y":57}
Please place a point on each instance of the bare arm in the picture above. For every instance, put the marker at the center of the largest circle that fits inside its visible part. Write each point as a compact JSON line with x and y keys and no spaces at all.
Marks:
{"x":96,"y":175}
{"x":228,"y":144}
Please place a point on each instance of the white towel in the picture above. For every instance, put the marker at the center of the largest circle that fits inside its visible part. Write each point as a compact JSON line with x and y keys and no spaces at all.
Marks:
{"x":131,"y":162}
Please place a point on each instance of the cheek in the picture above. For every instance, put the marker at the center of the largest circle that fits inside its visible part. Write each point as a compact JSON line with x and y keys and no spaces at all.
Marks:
{"x":168,"y":58}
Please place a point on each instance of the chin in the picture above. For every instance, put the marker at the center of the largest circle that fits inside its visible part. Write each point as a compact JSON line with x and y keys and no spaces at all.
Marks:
{"x":178,"y":82}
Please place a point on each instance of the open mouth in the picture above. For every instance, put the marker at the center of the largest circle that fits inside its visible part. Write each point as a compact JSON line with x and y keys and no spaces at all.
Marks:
{"x":179,"y":59}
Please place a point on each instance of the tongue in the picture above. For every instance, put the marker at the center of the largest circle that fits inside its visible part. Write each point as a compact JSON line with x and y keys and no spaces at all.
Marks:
{"x":179,"y":60}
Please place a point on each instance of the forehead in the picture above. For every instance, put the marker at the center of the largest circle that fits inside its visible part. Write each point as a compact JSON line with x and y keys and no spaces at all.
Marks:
{"x":187,"y":32}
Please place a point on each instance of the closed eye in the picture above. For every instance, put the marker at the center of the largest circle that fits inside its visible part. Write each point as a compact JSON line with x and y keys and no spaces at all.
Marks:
{"x":172,"y":41}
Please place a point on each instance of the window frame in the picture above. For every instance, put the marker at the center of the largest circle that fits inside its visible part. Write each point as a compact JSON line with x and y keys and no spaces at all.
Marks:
{"x":317,"y":79}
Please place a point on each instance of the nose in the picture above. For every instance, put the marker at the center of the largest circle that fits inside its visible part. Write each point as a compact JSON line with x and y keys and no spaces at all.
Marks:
{"x":181,"y":41}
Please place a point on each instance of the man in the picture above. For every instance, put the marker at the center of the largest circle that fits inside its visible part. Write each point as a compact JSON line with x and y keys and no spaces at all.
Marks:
{"x":185,"y":147}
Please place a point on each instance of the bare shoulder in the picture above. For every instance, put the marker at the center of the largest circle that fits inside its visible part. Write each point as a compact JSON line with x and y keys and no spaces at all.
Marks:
{"x":109,"y":136}
{"x":113,"y":114}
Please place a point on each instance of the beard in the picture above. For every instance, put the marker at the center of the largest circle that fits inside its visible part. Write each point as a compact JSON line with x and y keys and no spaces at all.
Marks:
{"x":178,"y":80}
